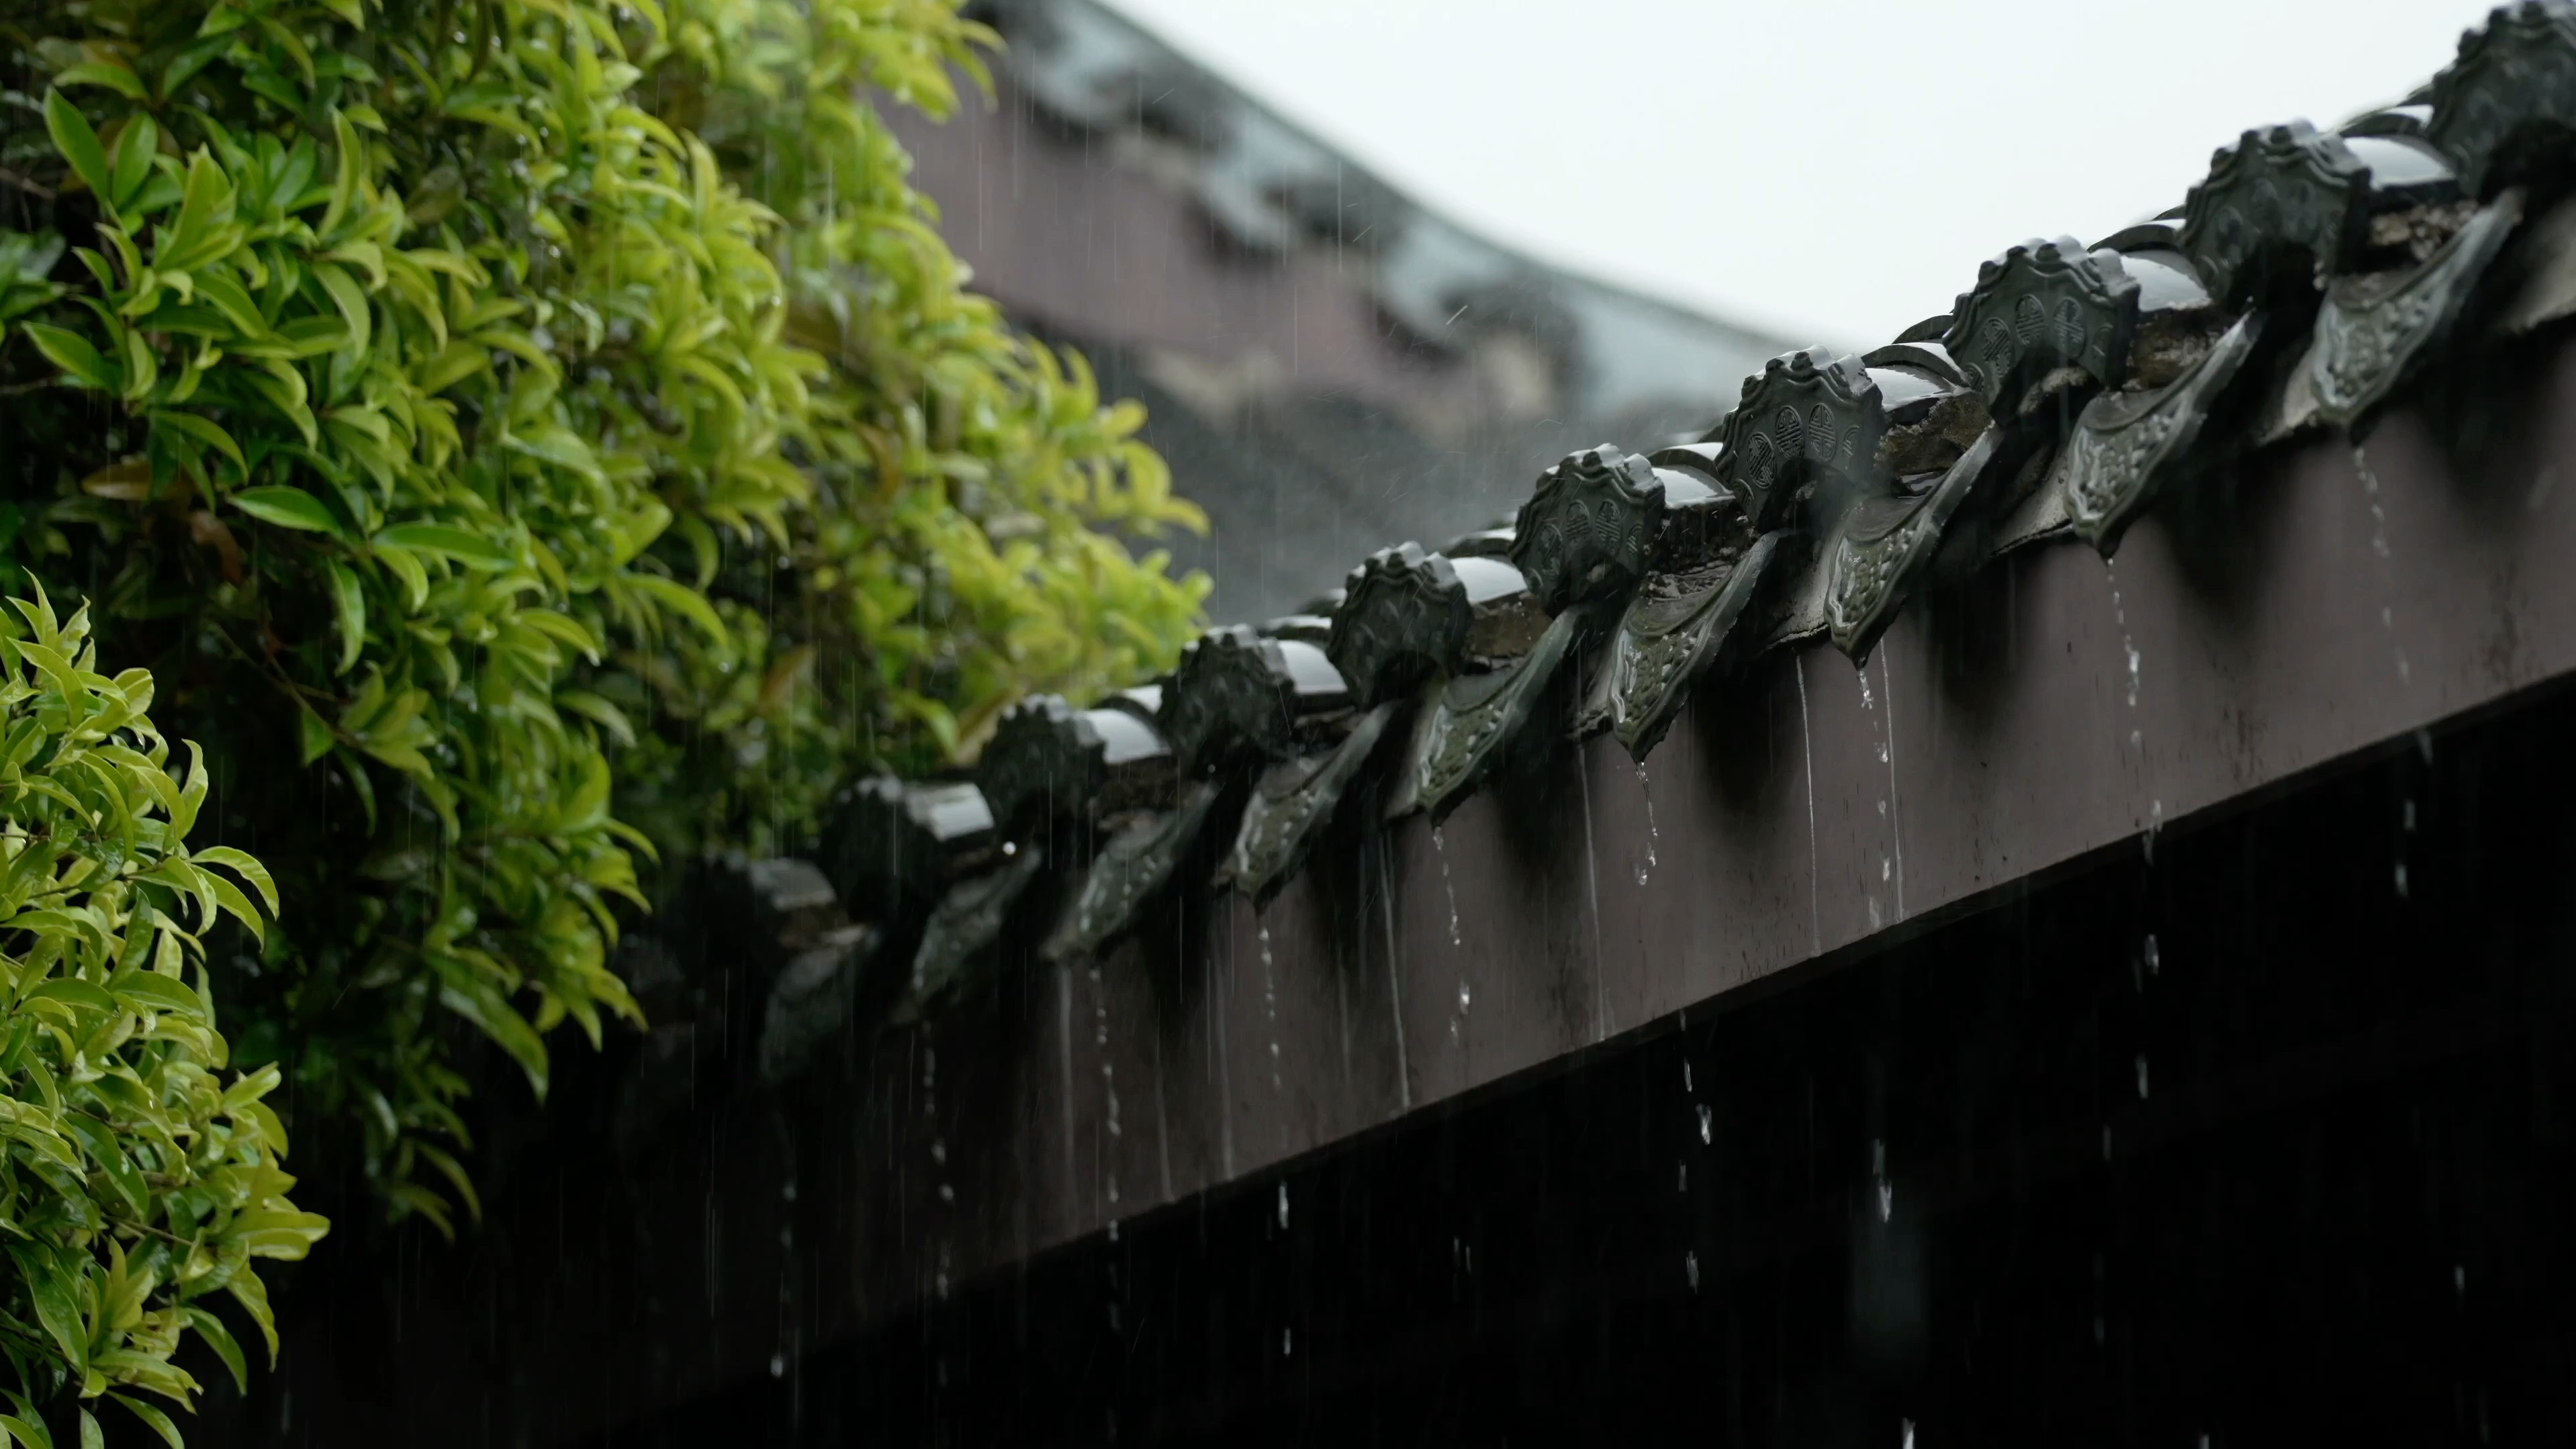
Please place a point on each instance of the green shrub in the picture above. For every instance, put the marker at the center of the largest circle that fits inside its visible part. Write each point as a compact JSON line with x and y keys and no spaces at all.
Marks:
{"x":521,"y":434}
{"x":134,"y":1180}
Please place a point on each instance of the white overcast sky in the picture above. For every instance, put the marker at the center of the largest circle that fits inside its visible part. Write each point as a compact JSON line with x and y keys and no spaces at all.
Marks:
{"x":1834,"y":169}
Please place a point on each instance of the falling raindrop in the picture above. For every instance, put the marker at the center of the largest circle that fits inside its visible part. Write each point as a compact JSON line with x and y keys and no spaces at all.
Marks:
{"x":2142,"y":1076}
{"x":1690,"y":1269}
{"x":778,"y":1365}
{"x":2154,"y":957}
{"x":1686,"y":1077}
{"x":1681,"y":1180}
{"x":1705,"y":1120}
{"x":1287,"y":1342}
{"x":1283,"y":1205}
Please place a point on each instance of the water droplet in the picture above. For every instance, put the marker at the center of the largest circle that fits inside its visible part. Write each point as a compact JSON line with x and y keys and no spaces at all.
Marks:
{"x":1681,"y":1177}
{"x":778,"y":1363}
{"x":1287,"y":1343}
{"x":1690,"y":1269}
{"x":1463,"y":996}
{"x":1886,"y":1201}
{"x":1283,"y":1204}
{"x":2401,"y":880}
{"x":1705,"y":1121}
{"x":1686,"y":1077}
{"x":2410,"y":817}
{"x":2155,"y":958}
{"x":2142,"y":1076}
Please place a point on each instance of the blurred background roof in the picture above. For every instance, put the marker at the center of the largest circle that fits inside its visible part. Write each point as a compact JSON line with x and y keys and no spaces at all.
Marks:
{"x":1329,"y":366}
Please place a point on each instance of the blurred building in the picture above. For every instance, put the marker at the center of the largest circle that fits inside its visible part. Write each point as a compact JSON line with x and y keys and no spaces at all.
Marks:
{"x":1329,"y":367}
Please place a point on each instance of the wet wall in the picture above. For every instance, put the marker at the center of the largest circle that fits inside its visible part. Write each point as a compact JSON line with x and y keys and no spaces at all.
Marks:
{"x":2264,"y":1140}
{"x":1921,"y":866}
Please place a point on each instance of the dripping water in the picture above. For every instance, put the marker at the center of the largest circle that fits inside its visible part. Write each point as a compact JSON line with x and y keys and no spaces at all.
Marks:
{"x":1394,"y":979}
{"x":2134,"y":662}
{"x":1108,"y":1083}
{"x":1646,"y":789}
{"x":1886,"y":864}
{"x":1270,"y":1003}
{"x":1592,"y":893}
{"x":1440,"y":848}
{"x":1807,"y":759}
{"x":2379,"y":546}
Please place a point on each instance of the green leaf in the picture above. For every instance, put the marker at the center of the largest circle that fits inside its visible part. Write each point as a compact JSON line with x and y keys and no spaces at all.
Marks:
{"x":134,"y":152}
{"x":287,"y":508}
{"x":478,"y":1003}
{"x":27,"y":1424}
{"x":220,"y":1339}
{"x":468,"y":549}
{"x":252,"y":1295}
{"x":248,"y":866}
{"x":92,"y":1436}
{"x":350,"y":607}
{"x":198,"y":235}
{"x":350,"y":299}
{"x":57,"y":1305}
{"x":112,"y":74}
{"x":316,"y":736}
{"x":204,"y":430}
{"x":687,"y":602}
{"x":99,"y":1141}
{"x":237,"y":905}
{"x":77,"y":143}
{"x":159,"y":1421}
{"x":73,"y":354}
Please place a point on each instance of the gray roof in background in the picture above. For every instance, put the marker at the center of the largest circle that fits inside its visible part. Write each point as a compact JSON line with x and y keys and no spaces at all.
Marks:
{"x":1329,"y":367}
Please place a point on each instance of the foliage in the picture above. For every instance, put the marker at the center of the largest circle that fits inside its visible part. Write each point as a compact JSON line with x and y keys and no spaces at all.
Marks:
{"x":502,"y":420}
{"x":134,"y":1180}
